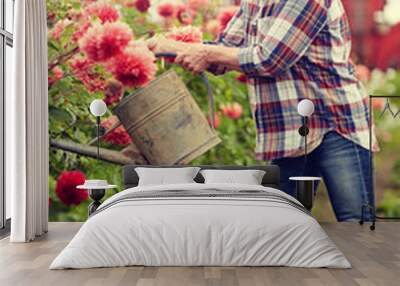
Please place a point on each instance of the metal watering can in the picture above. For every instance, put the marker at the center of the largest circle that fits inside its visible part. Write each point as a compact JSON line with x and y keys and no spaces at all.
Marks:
{"x":164,"y":121}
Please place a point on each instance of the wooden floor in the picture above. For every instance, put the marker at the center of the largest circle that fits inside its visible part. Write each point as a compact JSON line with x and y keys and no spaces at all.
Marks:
{"x":375,"y":257}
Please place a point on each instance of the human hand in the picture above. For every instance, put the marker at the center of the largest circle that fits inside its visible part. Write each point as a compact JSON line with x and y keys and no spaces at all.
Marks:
{"x":193,"y":57}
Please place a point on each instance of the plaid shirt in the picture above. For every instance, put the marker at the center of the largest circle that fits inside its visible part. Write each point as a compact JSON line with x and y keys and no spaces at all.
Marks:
{"x":291,"y":50}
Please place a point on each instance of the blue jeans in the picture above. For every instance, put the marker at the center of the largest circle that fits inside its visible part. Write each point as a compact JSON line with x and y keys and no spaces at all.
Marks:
{"x":344,"y":167}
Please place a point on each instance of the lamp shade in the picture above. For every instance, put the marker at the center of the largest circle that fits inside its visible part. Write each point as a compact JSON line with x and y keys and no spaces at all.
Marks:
{"x":98,"y":107}
{"x":305,"y":107}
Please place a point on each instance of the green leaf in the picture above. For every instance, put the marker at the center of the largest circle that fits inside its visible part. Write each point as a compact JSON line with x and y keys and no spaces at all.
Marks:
{"x":61,"y":115}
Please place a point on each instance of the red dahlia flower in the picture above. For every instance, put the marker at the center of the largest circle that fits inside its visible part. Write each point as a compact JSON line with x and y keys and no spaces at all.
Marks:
{"x":84,"y":70}
{"x":102,"y":10}
{"x":242,"y":78}
{"x":225,"y":16}
{"x":166,"y":10}
{"x":102,"y":42}
{"x":118,"y":136}
{"x":187,"y":34}
{"x":184,"y":14}
{"x":66,"y":187}
{"x":140,"y":5}
{"x":135,"y":66}
{"x":232,"y":110}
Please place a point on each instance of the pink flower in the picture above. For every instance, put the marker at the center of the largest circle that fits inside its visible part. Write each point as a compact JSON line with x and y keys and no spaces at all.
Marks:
{"x":88,"y":2}
{"x":378,"y":103}
{"x":59,"y":28}
{"x":113,"y":92}
{"x":140,"y":5}
{"x":232,"y":110}
{"x":66,"y":187}
{"x":166,"y":10}
{"x":217,"y":120}
{"x":184,"y":14}
{"x":197,"y":4}
{"x":74,"y":15}
{"x":187,"y":34}
{"x":58,"y":73}
{"x":225,"y":16}
{"x":213,"y":27}
{"x":242,"y":78}
{"x":363,"y":73}
{"x":55,"y":74}
{"x":84,"y":70}
{"x":102,"y":10}
{"x":80,"y":31}
{"x":135,"y":66}
{"x":51,"y":16}
{"x":118,"y":136}
{"x":101,"y":42}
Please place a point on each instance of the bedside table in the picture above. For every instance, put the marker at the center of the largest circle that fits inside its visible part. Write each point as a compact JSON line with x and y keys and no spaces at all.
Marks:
{"x":305,"y":190}
{"x":97,"y":190}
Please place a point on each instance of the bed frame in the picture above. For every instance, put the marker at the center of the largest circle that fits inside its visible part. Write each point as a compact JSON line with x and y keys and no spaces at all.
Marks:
{"x":271,"y":177}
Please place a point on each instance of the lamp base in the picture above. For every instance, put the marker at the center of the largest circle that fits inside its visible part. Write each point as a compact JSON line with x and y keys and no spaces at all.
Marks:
{"x":305,"y":193}
{"x":96,"y":195}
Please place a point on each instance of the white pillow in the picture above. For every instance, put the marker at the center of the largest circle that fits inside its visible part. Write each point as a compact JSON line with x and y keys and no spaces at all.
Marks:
{"x":163,"y":176}
{"x":247,"y":177}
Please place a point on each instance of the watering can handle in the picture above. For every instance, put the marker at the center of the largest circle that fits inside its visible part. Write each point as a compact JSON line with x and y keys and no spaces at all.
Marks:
{"x":211,"y":102}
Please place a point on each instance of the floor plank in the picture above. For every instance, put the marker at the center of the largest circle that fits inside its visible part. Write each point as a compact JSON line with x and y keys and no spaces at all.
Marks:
{"x":375,"y":257}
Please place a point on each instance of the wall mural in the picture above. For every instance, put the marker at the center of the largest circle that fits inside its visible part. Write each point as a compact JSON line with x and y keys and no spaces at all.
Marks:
{"x":96,"y":52}
{"x":86,"y":62}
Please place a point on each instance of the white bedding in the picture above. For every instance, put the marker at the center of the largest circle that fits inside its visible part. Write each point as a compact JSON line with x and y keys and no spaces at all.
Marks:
{"x":185,"y":231}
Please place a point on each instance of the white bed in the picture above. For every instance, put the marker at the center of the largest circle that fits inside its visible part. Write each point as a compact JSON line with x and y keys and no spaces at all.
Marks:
{"x":185,"y":230}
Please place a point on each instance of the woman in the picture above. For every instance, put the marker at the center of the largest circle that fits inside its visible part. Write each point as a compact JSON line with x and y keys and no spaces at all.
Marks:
{"x":291,"y":50}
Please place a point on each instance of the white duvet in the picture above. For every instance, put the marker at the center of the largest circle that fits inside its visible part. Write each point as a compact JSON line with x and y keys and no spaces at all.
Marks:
{"x":200,"y":231}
